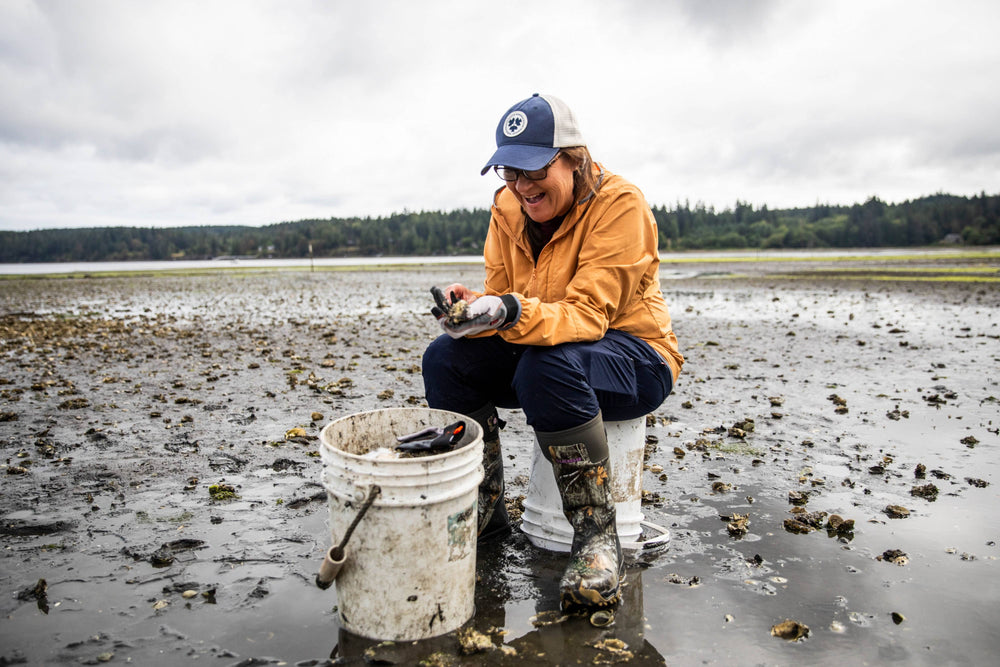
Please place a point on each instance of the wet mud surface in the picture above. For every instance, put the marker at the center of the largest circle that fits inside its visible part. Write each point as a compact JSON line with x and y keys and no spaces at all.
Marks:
{"x":827,"y":467}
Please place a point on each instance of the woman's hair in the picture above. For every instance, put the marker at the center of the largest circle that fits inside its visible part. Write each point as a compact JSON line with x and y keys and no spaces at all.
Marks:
{"x":585,"y":181}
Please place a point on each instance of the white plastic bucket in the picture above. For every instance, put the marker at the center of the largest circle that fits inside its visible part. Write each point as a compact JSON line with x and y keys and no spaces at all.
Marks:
{"x":410,"y":565}
{"x":543,"y":521}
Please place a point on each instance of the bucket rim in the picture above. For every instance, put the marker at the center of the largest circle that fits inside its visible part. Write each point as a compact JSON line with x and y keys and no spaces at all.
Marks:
{"x":469,"y":423}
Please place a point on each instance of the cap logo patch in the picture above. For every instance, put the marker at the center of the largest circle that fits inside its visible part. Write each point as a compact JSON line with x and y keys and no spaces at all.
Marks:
{"x":515,"y":123}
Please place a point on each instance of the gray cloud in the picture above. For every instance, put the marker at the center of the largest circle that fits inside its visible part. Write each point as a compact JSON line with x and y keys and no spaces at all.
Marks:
{"x":724,"y":21}
{"x":180,"y":112}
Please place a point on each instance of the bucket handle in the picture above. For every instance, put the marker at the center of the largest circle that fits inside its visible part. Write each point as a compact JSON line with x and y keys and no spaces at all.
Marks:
{"x":336,"y":556}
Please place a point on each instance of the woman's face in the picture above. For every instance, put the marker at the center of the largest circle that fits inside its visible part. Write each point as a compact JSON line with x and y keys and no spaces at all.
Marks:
{"x":550,"y":197}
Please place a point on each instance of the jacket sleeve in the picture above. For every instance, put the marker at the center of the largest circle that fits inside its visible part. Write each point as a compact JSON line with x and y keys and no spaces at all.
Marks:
{"x":498,"y":279}
{"x":496,"y":255}
{"x":615,"y":253}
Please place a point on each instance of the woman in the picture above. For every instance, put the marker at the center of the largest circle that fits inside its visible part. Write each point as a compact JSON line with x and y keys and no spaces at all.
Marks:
{"x":571,"y":327}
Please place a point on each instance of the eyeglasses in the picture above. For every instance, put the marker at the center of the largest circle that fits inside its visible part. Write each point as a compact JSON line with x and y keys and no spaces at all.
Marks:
{"x":510,"y":174}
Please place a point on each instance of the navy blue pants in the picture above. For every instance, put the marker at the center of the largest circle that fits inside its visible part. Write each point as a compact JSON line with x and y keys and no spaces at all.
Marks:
{"x":557,"y":387}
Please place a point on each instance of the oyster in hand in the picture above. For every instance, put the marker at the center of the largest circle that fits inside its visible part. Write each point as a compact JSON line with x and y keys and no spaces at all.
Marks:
{"x":454,"y":309}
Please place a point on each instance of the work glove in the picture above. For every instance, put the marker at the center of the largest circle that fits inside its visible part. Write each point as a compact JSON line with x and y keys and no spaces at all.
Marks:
{"x":458,"y":318}
{"x":432,"y":439}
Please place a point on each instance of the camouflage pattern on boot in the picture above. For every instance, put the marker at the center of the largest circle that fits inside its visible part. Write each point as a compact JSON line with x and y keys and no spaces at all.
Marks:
{"x":594,"y":573}
{"x":493,"y":519}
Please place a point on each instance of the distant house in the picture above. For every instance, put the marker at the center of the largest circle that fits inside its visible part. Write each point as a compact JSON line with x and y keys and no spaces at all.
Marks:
{"x":952,"y":238}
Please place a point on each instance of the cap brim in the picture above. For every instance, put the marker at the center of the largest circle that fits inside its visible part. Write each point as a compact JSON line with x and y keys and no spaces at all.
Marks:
{"x":520,"y":156}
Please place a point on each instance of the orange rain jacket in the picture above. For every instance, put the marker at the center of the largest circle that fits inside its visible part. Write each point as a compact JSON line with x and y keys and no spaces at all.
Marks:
{"x":599,"y":271}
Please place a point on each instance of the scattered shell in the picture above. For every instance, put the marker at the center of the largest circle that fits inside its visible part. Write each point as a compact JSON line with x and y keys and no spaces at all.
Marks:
{"x":316,"y":416}
{"x":798,"y":497}
{"x":436,"y":659}
{"x":738,"y":524}
{"x":837,"y":627}
{"x":162,"y":557}
{"x":894,"y":556}
{"x":897,"y":618}
{"x":790,"y":630}
{"x":928,"y":491}
{"x":614,"y":646}
{"x":693,"y":582}
{"x":796,"y":527}
{"x":188,"y":594}
{"x":838,"y":525}
{"x":896,"y":511}
{"x":814,"y":519}
{"x":544,"y":618}
{"x":473,"y":641}
{"x":160,"y":604}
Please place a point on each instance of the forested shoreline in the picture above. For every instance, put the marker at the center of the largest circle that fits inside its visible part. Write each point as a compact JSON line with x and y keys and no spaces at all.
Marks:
{"x":926,"y":221}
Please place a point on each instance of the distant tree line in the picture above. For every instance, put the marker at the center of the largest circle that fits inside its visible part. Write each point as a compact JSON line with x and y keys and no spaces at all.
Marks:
{"x":926,"y":221}
{"x":929,"y":220}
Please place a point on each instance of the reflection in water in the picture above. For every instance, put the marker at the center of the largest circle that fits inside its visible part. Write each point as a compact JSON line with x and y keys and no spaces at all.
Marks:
{"x":512,"y":575}
{"x":576,"y":639}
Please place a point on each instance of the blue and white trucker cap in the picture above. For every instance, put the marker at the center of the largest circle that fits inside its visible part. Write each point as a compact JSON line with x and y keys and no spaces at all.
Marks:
{"x":532,"y":132}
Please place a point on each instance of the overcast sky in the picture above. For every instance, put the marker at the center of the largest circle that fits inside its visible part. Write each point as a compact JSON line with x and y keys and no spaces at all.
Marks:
{"x":169,"y":113}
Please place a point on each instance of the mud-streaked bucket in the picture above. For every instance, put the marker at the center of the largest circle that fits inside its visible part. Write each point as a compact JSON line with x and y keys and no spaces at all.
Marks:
{"x":543,"y":520}
{"x":410,"y":565}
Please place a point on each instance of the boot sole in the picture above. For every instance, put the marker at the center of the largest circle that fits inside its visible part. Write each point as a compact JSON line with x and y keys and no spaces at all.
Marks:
{"x":572,"y":599}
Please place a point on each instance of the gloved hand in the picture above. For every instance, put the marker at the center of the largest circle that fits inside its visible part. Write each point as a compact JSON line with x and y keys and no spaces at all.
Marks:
{"x":484,"y":313}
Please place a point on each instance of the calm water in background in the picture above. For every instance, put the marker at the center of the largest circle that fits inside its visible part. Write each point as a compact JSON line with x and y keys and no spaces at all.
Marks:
{"x":665,"y":257}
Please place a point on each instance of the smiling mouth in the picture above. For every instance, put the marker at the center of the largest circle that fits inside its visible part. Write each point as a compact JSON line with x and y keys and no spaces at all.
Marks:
{"x":534,"y":199}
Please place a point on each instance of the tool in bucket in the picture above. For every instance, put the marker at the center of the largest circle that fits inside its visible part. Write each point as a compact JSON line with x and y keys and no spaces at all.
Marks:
{"x":336,"y":556}
{"x":432,"y":439}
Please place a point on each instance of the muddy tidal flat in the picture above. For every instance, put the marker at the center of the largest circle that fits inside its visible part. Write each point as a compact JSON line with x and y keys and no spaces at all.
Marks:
{"x":828,"y":467}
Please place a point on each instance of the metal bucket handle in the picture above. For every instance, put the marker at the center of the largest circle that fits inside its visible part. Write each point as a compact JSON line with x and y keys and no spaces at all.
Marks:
{"x":335,"y":557}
